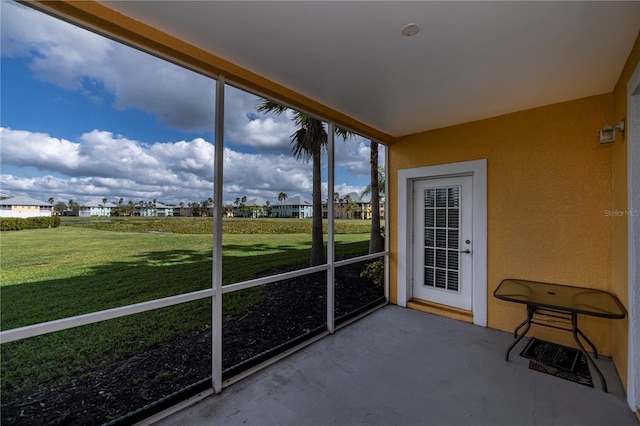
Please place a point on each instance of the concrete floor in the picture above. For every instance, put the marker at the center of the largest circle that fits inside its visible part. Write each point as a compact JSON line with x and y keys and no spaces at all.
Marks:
{"x":403,"y":367}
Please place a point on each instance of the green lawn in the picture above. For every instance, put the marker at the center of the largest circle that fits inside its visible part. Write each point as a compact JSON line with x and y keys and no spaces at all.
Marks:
{"x":55,"y":273}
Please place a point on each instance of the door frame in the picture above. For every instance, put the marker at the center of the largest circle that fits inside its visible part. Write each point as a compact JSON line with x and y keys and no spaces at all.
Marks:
{"x":633,"y":241}
{"x":478,"y":170}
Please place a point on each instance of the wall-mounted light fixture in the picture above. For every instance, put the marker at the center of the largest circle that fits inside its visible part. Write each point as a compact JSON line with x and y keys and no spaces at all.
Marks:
{"x":608,"y":133}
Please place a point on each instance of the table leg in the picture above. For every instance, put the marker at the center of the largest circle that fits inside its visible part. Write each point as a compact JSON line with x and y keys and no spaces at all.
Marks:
{"x":515,"y":331}
{"x":530,"y":311}
{"x":575,"y":331}
{"x":595,"y":351}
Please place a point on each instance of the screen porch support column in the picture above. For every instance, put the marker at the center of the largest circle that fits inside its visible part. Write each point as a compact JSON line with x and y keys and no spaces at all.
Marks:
{"x":216,"y":300}
{"x":330,"y":234}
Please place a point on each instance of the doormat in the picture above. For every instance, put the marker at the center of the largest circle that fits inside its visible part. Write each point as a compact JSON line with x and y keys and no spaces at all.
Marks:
{"x":554,"y":355}
{"x":559,"y":361}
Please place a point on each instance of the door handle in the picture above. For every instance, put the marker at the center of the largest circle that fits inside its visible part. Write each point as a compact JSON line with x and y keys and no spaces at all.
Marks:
{"x":465,"y":251}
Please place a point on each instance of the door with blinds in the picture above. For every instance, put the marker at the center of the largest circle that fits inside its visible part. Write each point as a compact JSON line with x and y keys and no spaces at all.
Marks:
{"x":442,"y":246}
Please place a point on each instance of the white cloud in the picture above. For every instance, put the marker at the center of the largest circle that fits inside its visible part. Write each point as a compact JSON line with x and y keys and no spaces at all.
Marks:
{"x":344,"y":189}
{"x":60,"y":52}
{"x":23,"y":148}
{"x":101,"y":163}
{"x":354,"y":155}
{"x":245,"y":126}
{"x":76,"y":59}
{"x":262,"y":175}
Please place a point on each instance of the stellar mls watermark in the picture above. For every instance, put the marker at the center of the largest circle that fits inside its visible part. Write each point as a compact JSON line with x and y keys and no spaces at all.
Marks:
{"x":622,"y":213}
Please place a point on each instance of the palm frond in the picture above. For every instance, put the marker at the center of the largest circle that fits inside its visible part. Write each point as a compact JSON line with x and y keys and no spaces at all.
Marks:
{"x":309,"y":140}
{"x":299,"y":118}
{"x":266,"y":105}
{"x":344,"y":133}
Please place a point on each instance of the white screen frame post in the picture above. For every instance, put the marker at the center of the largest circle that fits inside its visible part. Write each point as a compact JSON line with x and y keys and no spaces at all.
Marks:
{"x":216,"y":300}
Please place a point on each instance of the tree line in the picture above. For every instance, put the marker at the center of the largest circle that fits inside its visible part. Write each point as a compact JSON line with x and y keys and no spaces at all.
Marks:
{"x":131,"y":208}
{"x":204,"y":208}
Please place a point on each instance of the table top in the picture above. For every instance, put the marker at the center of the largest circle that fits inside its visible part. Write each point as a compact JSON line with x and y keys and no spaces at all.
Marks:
{"x":579,"y":300}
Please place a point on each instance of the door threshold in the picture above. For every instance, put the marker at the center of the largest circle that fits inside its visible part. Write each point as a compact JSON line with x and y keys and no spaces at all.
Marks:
{"x":442,"y":310}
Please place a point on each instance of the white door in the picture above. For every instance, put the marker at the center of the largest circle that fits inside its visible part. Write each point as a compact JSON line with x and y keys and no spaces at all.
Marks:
{"x":442,"y":241}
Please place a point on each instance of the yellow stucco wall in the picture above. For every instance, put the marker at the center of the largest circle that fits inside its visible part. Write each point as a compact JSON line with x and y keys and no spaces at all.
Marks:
{"x":619,"y":273}
{"x":548,"y":186}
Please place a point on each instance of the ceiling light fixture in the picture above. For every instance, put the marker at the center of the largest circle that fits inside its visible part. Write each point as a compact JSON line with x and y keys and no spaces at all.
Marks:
{"x":410,"y":30}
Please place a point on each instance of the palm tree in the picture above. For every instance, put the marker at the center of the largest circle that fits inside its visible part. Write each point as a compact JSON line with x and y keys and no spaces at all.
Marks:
{"x":206,"y":206}
{"x":209,"y":206}
{"x":356,"y":210}
{"x":375,"y":188}
{"x":336,"y":197}
{"x":120,"y":210}
{"x":308,"y":142}
{"x":195,"y":209}
{"x":60,"y":208}
{"x":281,"y":197}
{"x":347,"y":200}
{"x":237,"y":204}
{"x":341,"y":201}
{"x":51,"y":200}
{"x":242,"y":205}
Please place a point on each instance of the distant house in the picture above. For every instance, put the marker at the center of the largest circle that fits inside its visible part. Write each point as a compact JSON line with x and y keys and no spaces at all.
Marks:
{"x":165,"y":210}
{"x":298,"y":207}
{"x":157,"y":210}
{"x":24,"y":207}
{"x":351,"y":206}
{"x":96,"y":208}
{"x":229,"y":211}
{"x":254,"y":209}
{"x":250,"y":208}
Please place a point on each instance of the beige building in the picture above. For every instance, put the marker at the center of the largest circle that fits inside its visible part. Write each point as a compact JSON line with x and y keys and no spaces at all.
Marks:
{"x":24,"y":207}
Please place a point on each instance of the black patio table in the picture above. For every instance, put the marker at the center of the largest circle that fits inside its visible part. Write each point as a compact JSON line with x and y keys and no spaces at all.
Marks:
{"x":559,"y":304}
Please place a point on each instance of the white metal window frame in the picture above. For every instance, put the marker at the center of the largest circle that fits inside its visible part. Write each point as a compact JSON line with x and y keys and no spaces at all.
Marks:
{"x":217,"y":290}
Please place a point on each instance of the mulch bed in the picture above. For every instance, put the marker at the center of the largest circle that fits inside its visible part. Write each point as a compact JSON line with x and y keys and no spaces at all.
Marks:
{"x":286,"y":310}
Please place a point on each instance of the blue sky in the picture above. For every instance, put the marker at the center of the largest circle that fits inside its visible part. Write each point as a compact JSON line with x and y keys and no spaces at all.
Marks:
{"x":83,"y":117}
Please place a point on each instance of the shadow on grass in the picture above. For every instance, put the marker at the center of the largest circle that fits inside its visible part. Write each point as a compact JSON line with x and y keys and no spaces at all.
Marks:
{"x":36,"y":365}
{"x":147,"y":276}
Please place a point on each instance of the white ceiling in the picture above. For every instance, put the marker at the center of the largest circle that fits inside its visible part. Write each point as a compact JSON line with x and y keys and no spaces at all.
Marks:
{"x":471,"y":60}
